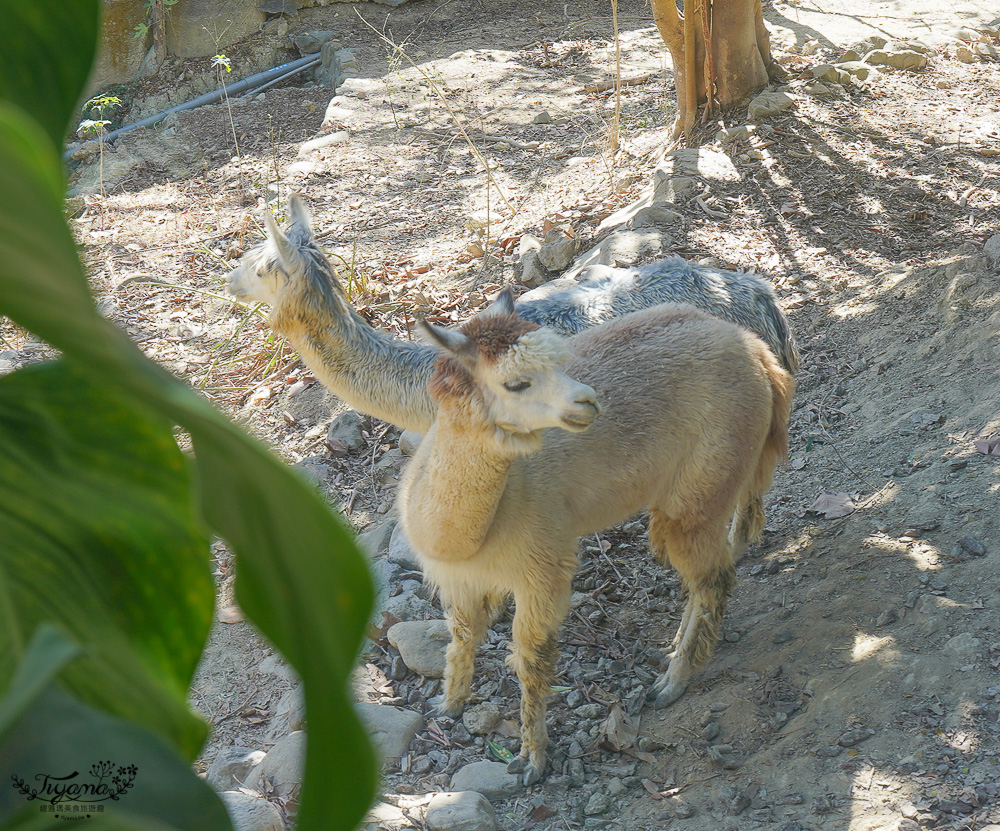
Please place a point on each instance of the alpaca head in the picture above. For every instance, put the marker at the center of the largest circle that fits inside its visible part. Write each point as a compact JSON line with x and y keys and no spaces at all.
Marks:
{"x":513,"y":370}
{"x":286,"y":260}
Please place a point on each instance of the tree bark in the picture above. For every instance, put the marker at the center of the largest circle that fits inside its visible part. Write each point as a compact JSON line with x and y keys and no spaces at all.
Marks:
{"x":721,"y":53}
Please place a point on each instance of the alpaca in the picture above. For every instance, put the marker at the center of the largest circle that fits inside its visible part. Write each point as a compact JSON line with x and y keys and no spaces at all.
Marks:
{"x":387,"y":378}
{"x":692,"y":420}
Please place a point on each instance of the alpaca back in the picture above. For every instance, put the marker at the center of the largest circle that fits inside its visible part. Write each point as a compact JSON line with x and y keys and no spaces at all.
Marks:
{"x":690,"y":403}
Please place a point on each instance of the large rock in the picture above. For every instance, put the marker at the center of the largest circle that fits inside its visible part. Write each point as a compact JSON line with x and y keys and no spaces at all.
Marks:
{"x":200,"y":28}
{"x":769,"y":103}
{"x":252,"y":813}
{"x":400,"y":551}
{"x":231,"y":767}
{"x":488,"y":778}
{"x":558,"y":250}
{"x":422,"y":645}
{"x":460,"y":811}
{"x":376,"y":540}
{"x":345,"y":431}
{"x":482,"y":718}
{"x":119,"y":51}
{"x":623,"y":248}
{"x":903,"y":59}
{"x":992,"y":249}
{"x":391,"y":728}
{"x":289,"y":714}
{"x":280,"y":771}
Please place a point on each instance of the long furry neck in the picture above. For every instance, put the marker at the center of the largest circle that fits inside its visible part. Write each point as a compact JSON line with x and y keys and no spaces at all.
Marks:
{"x":370,"y":370}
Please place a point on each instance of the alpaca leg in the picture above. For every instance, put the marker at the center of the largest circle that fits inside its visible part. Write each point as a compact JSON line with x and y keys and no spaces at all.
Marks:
{"x":748,"y":525}
{"x":468,"y":619}
{"x":703,"y":558}
{"x":533,"y":657}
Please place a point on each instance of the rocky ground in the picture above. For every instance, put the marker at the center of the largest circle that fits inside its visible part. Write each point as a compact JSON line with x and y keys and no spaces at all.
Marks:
{"x":856,"y":686}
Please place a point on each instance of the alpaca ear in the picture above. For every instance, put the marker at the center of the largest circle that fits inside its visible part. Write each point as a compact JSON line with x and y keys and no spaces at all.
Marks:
{"x":451,"y":341}
{"x":502,"y":305}
{"x":287,"y":251}
{"x":298,"y":218}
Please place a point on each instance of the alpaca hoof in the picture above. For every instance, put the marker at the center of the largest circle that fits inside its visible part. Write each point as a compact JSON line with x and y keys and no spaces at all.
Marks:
{"x":530,"y":773}
{"x":669,"y":693}
{"x":443,"y":708}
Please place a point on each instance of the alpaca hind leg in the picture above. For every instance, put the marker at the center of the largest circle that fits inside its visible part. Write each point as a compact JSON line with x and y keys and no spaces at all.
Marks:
{"x":703,"y":558}
{"x":533,"y":657}
{"x":469,"y":616}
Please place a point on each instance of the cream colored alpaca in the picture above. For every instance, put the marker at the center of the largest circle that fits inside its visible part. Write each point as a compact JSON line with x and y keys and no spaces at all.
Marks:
{"x":694,"y":420}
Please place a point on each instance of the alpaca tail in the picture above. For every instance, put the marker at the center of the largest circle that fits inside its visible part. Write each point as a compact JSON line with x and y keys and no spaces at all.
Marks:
{"x":749,"y":526}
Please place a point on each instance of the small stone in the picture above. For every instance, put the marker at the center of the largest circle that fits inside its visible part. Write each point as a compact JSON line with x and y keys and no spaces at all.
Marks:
{"x":825,"y":72}
{"x":818,"y":88}
{"x":309,"y":43}
{"x":710,"y":731}
{"x":252,"y":813}
{"x":992,"y":248}
{"x":482,"y":718}
{"x":544,"y":117}
{"x":348,"y":426}
{"x":902,"y":59}
{"x":965,"y":54}
{"x":650,"y":744}
{"x":590,"y":710}
{"x":391,"y":728}
{"x":422,"y":645}
{"x":768,"y":104}
{"x":558,"y":250}
{"x":376,"y":540}
{"x":491,"y":779}
{"x":683,"y":811}
{"x":963,"y":645}
{"x":460,"y":811}
{"x":829,"y":752}
{"x":289,"y":714}
{"x":529,"y":271}
{"x":853,"y":737}
{"x":409,"y":441}
{"x":597,"y":804}
{"x":782,"y":636}
{"x":972,"y":546}
{"x":321,"y":142}
{"x":280,"y":771}
{"x":400,"y":551}
{"x":653,"y":215}
{"x":887,"y":617}
{"x":741,"y":133}
{"x":230,"y":768}
{"x":616,"y":787}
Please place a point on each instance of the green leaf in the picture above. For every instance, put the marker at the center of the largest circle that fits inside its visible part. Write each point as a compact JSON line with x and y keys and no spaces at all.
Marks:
{"x":501,"y":752}
{"x":65,"y":740}
{"x":96,"y":515}
{"x":46,"y":58}
{"x":47,"y":653}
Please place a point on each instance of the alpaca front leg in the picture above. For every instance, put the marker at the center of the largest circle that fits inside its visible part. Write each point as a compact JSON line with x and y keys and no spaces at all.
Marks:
{"x":468,"y":620}
{"x":533,"y":657}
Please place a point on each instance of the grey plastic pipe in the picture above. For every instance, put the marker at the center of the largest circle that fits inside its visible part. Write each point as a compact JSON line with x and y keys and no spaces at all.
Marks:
{"x":268,"y":77}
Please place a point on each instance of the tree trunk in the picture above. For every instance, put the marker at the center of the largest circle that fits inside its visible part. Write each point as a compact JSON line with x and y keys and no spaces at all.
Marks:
{"x":724,"y":67}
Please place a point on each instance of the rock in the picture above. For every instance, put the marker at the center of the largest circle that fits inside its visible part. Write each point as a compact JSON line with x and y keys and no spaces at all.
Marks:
{"x":376,"y":540}
{"x":347,"y":427}
{"x":964,"y":646}
{"x":903,"y":59}
{"x":992,"y":249}
{"x":119,"y":53}
{"x":857,"y":69}
{"x":309,"y":43}
{"x":656,"y":215}
{"x":558,"y":250}
{"x":986,"y":51}
{"x":529,"y":271}
{"x":409,"y":441}
{"x":252,"y":813}
{"x":391,"y":728}
{"x":965,"y":54}
{"x":289,"y":714}
{"x":625,"y":248}
{"x":408,"y":606}
{"x":384,"y":816}
{"x":318,"y":143}
{"x":202,"y":28}
{"x":972,"y":546}
{"x":400,"y":551}
{"x":853,"y":737}
{"x":741,"y":133}
{"x":769,"y":103}
{"x":460,"y":811}
{"x":230,"y":768}
{"x":481,"y":719}
{"x":850,"y":55}
{"x":597,"y":804}
{"x":389,"y":468}
{"x":818,"y":88}
{"x":544,"y":117}
{"x":336,"y":65}
{"x":276,"y":665}
{"x":488,"y":778}
{"x":422,"y":645}
{"x":280,"y":771}
{"x":826,"y":72}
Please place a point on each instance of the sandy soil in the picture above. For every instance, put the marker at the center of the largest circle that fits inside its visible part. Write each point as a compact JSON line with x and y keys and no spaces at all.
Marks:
{"x":856,"y":686}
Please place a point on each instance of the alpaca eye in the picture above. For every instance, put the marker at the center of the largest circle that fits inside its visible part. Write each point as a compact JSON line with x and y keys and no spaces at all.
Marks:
{"x":516,"y":386}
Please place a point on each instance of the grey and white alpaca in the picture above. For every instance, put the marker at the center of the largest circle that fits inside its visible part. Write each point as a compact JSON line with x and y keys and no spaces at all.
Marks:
{"x":387,"y":378}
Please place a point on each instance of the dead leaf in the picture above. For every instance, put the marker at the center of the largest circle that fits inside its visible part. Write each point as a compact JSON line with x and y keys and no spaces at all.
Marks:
{"x":620,"y":729}
{"x":832,"y":505}
{"x":260,"y":395}
{"x":652,"y":789}
{"x":541,"y":813}
{"x":988,"y":447}
{"x":231,"y":614}
{"x":377,"y":634}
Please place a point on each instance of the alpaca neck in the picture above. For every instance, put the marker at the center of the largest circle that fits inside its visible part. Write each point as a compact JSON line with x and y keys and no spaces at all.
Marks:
{"x":457,"y":481}
{"x":371,"y":371}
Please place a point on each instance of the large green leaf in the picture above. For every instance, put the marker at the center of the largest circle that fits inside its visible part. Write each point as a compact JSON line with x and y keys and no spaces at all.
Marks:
{"x":300,"y":578}
{"x":99,"y":534}
{"x":48,"y":49}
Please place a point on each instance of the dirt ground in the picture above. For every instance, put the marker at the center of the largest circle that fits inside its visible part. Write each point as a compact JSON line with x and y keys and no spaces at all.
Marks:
{"x":856,"y":686}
